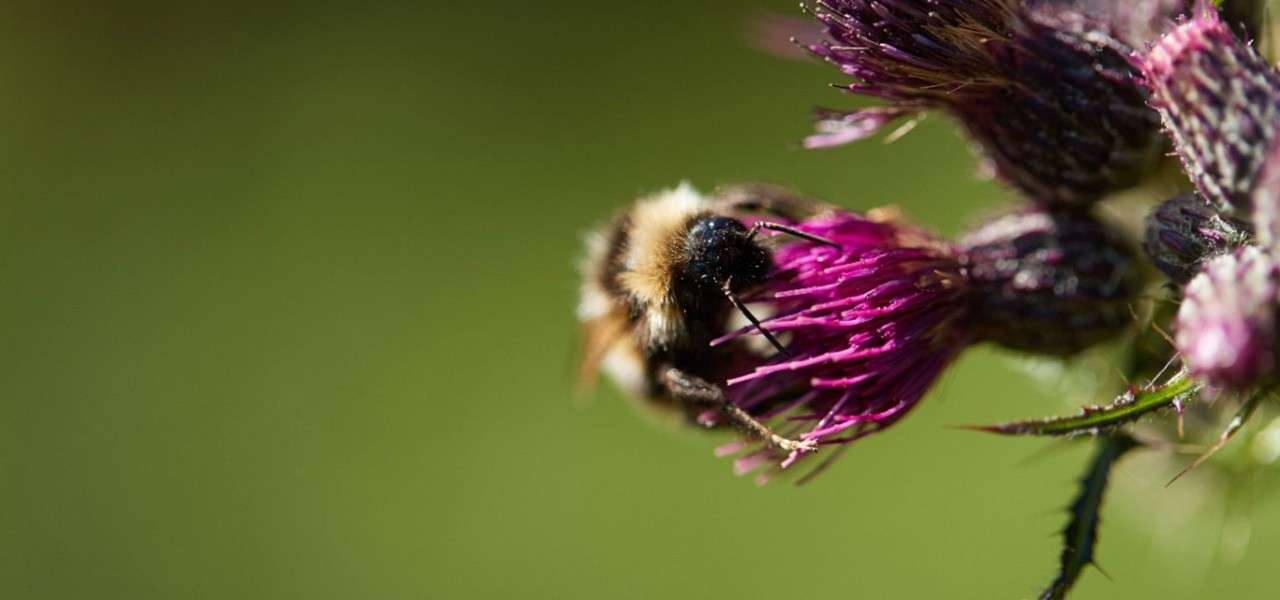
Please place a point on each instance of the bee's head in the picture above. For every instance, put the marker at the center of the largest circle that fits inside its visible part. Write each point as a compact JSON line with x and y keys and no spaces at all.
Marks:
{"x":721,"y":258}
{"x":719,"y":251}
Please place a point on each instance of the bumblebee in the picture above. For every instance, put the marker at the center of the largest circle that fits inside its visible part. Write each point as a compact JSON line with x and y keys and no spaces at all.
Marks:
{"x":659,"y":284}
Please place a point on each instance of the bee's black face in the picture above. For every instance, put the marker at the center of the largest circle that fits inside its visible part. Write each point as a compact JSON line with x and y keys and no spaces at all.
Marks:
{"x":719,"y":251}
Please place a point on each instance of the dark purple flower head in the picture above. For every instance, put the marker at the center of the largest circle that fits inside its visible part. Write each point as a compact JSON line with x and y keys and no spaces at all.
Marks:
{"x":1185,"y":230}
{"x":1049,"y":281}
{"x":1226,"y":325}
{"x":869,"y":328}
{"x":1050,"y":101}
{"x":1220,"y":102}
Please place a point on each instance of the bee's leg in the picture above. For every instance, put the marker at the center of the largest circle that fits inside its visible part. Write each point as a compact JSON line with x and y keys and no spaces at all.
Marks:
{"x":688,"y":389}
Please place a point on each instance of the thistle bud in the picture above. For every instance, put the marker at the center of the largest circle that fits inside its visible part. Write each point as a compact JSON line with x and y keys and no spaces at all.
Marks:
{"x":1220,"y":103}
{"x":1050,"y":282}
{"x":1051,"y":103}
{"x":1185,"y":230}
{"x":1226,"y":325}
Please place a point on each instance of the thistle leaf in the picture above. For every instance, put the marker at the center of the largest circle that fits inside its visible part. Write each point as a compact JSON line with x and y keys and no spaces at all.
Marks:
{"x":1080,"y":537}
{"x":1092,"y":420}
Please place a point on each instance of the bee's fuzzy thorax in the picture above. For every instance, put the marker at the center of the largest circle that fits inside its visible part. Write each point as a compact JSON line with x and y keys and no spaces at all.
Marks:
{"x":654,"y":247}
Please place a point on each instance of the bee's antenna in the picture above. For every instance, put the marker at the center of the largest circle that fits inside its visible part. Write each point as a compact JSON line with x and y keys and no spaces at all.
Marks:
{"x":789,"y":231}
{"x":754,"y":321}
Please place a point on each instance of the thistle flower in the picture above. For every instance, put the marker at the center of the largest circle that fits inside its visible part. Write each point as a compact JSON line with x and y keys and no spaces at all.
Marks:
{"x":1226,"y":325}
{"x":1185,"y":230}
{"x":1220,"y":103}
{"x":1051,"y":103}
{"x":1049,"y":281}
{"x":870,"y":326}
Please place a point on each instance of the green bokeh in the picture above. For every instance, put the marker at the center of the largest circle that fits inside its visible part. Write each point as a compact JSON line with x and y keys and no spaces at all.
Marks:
{"x":286,"y":303}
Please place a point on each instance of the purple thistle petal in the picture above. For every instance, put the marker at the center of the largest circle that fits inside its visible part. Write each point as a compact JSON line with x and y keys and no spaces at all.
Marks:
{"x":730,"y":448}
{"x":836,"y":128}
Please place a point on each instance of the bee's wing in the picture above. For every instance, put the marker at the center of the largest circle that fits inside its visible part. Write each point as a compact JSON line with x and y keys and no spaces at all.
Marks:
{"x":599,"y":335}
{"x":769,"y":199}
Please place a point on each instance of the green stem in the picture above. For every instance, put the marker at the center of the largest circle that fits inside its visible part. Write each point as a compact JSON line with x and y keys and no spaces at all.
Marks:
{"x":1080,"y":537}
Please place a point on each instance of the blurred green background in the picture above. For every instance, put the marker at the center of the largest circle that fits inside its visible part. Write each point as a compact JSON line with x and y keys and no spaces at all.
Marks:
{"x":286,"y":311}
